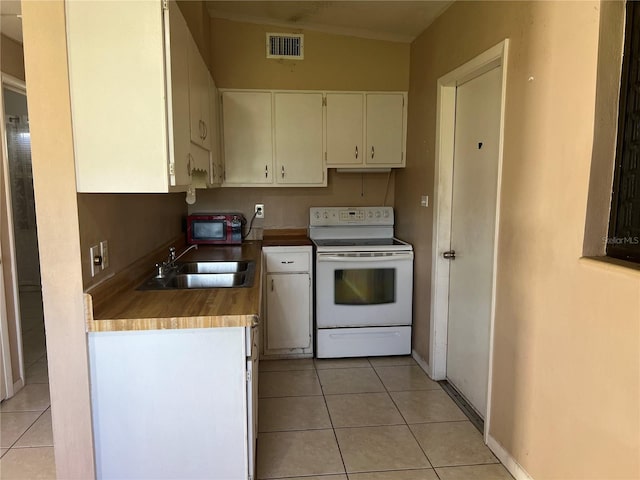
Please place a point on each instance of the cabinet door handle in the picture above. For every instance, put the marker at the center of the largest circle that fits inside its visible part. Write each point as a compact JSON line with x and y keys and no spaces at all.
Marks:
{"x":189,"y":157}
{"x":200,"y":129}
{"x":283,"y":171}
{"x":213,"y":170}
{"x":206,"y":130}
{"x":266,"y":171}
{"x":356,"y":152}
{"x":373,"y":152}
{"x":272,"y":284}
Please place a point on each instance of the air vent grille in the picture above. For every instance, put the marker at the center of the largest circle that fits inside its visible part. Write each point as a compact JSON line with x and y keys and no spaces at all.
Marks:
{"x":285,"y":45}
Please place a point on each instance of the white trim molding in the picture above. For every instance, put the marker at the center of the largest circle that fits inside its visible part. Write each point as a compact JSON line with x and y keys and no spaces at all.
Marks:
{"x":507,"y":460}
{"x":443,"y":193}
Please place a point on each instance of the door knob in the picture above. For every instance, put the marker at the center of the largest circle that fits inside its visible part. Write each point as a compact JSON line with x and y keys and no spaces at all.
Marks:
{"x":450,"y":255}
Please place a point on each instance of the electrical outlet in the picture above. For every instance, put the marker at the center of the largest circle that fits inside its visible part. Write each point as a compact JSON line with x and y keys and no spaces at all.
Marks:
{"x":104,"y":253}
{"x":95,"y":260}
{"x":424,"y":201}
{"x":259,"y":210}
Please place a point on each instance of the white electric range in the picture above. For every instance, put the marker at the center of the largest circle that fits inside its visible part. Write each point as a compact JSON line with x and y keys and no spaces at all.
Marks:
{"x":364,"y":283}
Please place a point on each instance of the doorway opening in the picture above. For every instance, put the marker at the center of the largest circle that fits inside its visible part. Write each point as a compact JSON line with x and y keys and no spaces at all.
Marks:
{"x":21,"y":265}
{"x":469,"y":133}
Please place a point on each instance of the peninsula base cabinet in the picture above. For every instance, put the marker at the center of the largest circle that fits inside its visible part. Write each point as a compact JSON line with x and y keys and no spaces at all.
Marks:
{"x":288,"y":295}
{"x":174,"y":403}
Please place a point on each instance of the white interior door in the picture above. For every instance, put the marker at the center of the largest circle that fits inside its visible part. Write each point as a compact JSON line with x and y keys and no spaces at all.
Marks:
{"x":475,"y":174}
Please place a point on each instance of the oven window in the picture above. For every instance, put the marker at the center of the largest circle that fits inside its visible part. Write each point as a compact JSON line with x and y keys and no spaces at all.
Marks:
{"x":208,"y":230}
{"x":368,"y":286}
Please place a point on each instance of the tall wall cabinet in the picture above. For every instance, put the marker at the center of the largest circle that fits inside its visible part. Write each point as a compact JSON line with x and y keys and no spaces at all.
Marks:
{"x":140,"y":98}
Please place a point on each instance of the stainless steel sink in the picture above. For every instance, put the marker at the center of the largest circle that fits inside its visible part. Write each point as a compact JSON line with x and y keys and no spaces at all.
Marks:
{"x":213,"y":267}
{"x":209,"y":280}
{"x":204,"y":275}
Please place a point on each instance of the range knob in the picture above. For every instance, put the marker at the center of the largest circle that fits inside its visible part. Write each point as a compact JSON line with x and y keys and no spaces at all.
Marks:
{"x":386,"y":214}
{"x":317,"y":215}
{"x":325,"y":215}
{"x":378,"y":214}
{"x":370,"y":215}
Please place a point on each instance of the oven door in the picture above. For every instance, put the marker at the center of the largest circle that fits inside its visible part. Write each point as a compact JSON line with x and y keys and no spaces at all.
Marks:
{"x":359,"y":289}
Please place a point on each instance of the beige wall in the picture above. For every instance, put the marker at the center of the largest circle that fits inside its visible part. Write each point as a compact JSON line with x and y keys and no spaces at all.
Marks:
{"x":197,"y":18}
{"x":58,"y":236}
{"x":133,"y":225}
{"x":12,"y":57}
{"x":566,"y":356}
{"x":289,"y":207}
{"x":331,"y":62}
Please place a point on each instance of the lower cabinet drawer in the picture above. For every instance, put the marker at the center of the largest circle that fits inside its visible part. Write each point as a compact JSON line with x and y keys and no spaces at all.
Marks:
{"x":288,"y":262}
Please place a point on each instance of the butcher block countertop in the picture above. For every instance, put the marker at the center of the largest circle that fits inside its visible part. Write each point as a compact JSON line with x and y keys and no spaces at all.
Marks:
{"x":286,"y":238}
{"x":117,"y":305}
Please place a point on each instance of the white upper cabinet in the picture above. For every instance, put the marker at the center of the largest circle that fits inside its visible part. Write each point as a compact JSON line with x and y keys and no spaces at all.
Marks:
{"x":217,"y":165}
{"x":298,"y":139}
{"x":179,"y":134}
{"x":385,"y":129}
{"x":366,"y":130}
{"x":199,"y":102}
{"x":273,"y":139}
{"x":345,"y":129}
{"x":247,"y":137}
{"x":130,"y":97}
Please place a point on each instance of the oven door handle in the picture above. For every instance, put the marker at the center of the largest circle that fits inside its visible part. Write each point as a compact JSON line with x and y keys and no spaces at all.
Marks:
{"x":386,"y":258}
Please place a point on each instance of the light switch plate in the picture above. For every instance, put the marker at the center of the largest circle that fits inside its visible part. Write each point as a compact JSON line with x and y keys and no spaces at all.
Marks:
{"x":104,"y":252}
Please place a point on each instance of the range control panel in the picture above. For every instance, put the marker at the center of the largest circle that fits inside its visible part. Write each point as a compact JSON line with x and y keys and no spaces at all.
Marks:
{"x":339,"y":216}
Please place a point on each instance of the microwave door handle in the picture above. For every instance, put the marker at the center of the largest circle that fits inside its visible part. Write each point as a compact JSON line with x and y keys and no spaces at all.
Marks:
{"x":386,"y":258}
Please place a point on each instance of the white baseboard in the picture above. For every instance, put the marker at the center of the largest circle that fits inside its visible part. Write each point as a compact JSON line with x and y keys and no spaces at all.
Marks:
{"x":507,"y":460}
{"x":422,"y":362}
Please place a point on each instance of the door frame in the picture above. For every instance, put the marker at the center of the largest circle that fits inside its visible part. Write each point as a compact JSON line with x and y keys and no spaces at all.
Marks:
{"x":9,"y":256}
{"x":443,"y":196}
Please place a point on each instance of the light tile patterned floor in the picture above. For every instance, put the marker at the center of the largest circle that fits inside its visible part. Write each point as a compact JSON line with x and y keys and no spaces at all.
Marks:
{"x":364,"y":419}
{"x":26,"y":439}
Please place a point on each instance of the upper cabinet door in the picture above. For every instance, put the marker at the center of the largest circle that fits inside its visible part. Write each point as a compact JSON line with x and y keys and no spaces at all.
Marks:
{"x":216,"y":170}
{"x":345,"y":127}
{"x":385,"y":131}
{"x":199,"y":103}
{"x":298,"y":138}
{"x":179,"y":132}
{"x":247,"y":137}
{"x":117,"y":84}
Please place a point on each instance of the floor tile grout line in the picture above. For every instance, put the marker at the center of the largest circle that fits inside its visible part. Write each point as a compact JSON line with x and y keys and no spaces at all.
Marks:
{"x":406,"y":424}
{"x":27,"y":429}
{"x":335,"y":435}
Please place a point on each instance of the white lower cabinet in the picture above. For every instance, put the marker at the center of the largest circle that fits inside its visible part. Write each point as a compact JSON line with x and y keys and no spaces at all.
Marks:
{"x":288,"y":294}
{"x":174,"y":403}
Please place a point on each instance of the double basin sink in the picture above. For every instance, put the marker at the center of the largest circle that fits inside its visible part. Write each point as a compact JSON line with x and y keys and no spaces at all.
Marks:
{"x":213,"y":274}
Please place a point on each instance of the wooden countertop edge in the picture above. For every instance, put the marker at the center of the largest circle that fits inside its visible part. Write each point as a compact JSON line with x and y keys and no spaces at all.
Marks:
{"x":160,"y":323}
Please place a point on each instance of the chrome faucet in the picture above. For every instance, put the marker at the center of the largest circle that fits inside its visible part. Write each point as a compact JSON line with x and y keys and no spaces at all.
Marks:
{"x":172,"y":254}
{"x":170,"y":264}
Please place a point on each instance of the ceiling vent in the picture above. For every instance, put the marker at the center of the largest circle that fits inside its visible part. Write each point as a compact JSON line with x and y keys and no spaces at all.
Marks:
{"x":285,"y":45}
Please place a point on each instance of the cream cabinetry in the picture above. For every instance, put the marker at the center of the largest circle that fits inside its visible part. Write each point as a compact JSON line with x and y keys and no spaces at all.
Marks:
{"x":247,"y":137}
{"x":298,"y":135}
{"x":217,"y":161}
{"x":199,"y":102}
{"x":273,"y":139}
{"x":130,"y":97}
{"x":288,"y":301}
{"x":366,"y":129}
